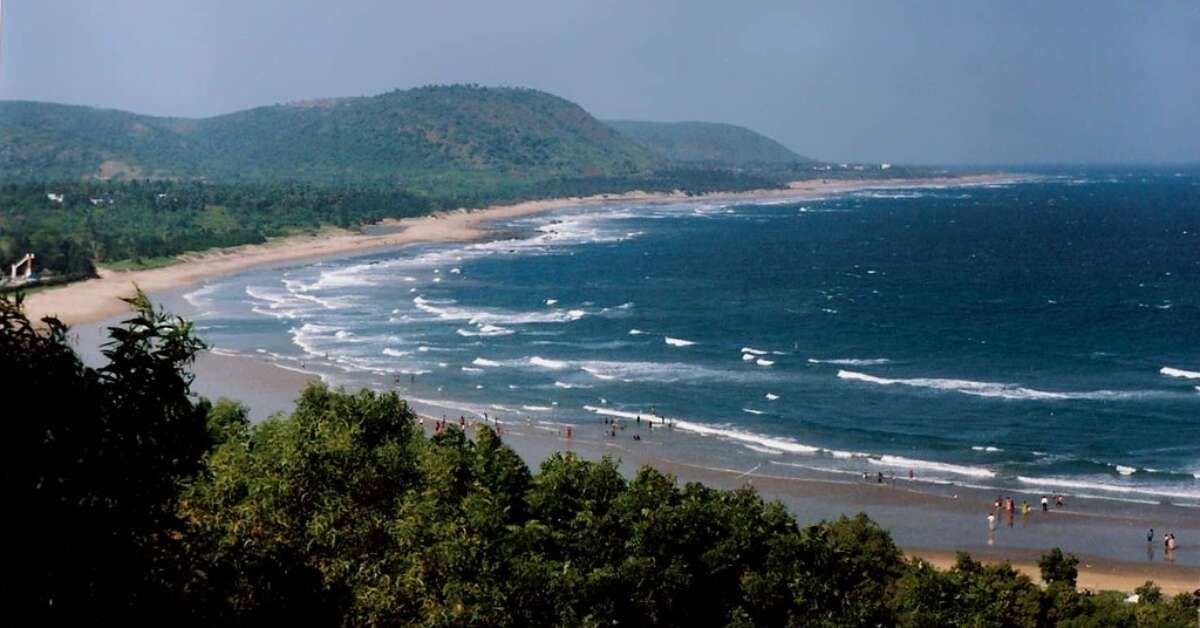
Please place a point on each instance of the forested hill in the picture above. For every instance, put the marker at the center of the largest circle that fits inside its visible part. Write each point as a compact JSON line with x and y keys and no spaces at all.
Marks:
{"x":450,"y":137}
{"x":707,"y":143}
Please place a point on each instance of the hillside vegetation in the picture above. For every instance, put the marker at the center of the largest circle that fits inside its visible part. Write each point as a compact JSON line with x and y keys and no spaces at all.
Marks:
{"x":134,"y":503}
{"x":454,"y":136}
{"x":709,"y":143}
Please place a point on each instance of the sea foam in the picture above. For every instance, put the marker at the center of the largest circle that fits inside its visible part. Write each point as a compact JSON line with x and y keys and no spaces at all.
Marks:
{"x":999,"y":390}
{"x":1174,"y":372}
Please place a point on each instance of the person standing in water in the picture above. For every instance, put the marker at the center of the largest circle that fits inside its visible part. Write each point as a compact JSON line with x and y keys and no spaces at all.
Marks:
{"x":1045,"y":504}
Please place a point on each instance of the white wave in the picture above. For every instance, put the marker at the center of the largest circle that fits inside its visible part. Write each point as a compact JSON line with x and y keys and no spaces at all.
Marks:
{"x":595,"y":372}
{"x":762,"y":450}
{"x":852,"y":361}
{"x":748,"y":357}
{"x":1124,"y":470}
{"x":547,"y":363}
{"x":999,"y":390}
{"x":197,"y":298}
{"x":485,"y":330}
{"x":537,"y":408}
{"x":485,"y":362}
{"x":891,"y":195}
{"x":771,"y":396}
{"x":565,"y":385}
{"x":677,"y":342}
{"x":486,"y":316}
{"x":471,"y":369}
{"x":1174,"y":372}
{"x":310,"y":336}
{"x":551,"y":301}
{"x":929,"y":465}
{"x":753,"y":351}
{"x":762,"y":362}
{"x":636,"y":332}
{"x":781,"y":444}
{"x":395,"y":353}
{"x":750,"y":411}
{"x":350,"y":276}
{"x":667,"y":372}
{"x":987,"y":448}
{"x":1053,"y":482}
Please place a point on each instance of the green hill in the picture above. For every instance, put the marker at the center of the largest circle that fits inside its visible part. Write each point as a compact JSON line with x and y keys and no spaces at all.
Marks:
{"x":423,"y":137}
{"x":707,"y":142}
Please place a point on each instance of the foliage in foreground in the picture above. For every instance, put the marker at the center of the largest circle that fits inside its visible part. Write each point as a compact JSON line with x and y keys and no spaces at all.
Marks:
{"x":134,"y":502}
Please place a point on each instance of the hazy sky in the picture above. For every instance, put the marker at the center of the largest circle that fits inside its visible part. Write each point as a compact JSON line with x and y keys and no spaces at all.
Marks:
{"x":906,"y":81}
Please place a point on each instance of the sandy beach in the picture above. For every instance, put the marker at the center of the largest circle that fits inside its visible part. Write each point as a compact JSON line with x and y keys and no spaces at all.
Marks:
{"x":928,"y":521}
{"x":924,"y":520}
{"x":99,"y":298}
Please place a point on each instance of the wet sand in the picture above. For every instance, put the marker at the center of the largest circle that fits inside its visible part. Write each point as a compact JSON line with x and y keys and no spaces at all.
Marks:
{"x":929,"y":521}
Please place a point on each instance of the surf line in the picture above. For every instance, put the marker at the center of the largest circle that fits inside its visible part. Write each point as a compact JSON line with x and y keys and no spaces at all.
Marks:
{"x":742,"y":475}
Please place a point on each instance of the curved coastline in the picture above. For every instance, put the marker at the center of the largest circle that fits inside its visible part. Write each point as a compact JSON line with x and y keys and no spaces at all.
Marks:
{"x":929,"y":520}
{"x":96,"y":299}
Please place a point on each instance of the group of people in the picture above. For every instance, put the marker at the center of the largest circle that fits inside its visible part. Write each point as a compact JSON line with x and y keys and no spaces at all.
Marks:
{"x":612,"y":425}
{"x":1008,"y":505}
{"x":440,"y":425}
{"x":1168,"y":543}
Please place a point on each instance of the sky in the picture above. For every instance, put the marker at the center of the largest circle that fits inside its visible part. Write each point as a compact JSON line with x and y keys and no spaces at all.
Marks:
{"x":916,"y":81}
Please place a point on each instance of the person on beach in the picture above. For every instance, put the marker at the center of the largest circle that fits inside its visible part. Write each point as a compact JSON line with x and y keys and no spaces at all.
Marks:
{"x":996,"y":504}
{"x":879,"y":478}
{"x":1058,"y":501}
{"x":1045,"y":504}
{"x":1024,"y":507}
{"x":991,"y":519}
{"x":910,"y":474}
{"x":1150,"y":535}
{"x":639,"y":419}
{"x":568,"y":432}
{"x":637,"y":437}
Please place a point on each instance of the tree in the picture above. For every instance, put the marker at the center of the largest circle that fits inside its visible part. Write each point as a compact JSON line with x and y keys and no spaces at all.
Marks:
{"x":1057,"y":567}
{"x":95,"y":463}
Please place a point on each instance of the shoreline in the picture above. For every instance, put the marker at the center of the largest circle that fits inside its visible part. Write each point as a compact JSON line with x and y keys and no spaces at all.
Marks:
{"x":922,"y":521}
{"x":97,"y":299}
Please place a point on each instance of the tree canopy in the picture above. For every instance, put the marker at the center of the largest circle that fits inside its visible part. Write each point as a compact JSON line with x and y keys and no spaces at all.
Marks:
{"x":135,"y":502}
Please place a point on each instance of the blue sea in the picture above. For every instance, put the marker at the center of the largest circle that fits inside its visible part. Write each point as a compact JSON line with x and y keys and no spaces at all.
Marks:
{"x":1040,"y":335}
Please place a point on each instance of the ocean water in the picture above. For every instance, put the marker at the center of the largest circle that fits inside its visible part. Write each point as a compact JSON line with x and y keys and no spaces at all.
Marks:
{"x":1041,"y":335}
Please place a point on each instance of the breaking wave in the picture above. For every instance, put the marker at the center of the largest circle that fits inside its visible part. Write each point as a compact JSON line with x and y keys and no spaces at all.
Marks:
{"x":999,"y":390}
